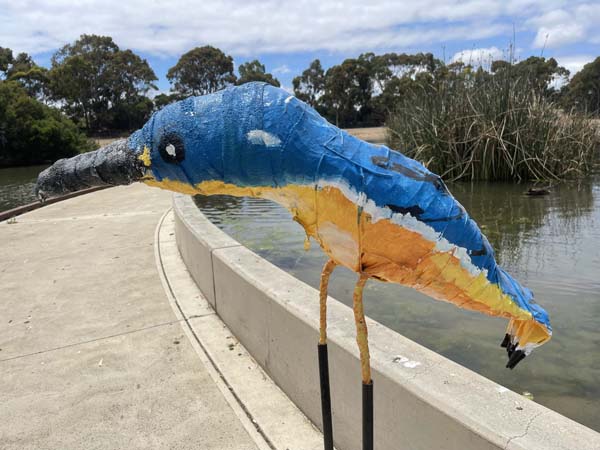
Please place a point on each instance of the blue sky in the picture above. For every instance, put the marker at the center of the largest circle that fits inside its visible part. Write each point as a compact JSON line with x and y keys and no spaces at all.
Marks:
{"x":287,"y":36}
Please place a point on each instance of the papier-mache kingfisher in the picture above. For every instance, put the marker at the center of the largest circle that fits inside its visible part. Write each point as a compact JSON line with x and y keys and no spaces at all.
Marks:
{"x":371,"y":209}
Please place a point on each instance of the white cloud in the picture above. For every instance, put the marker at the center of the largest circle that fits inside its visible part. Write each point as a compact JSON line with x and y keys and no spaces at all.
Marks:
{"x":561,"y":27}
{"x":480,"y":56}
{"x":254,"y":26}
{"x":574,"y":63}
{"x":282,"y":69}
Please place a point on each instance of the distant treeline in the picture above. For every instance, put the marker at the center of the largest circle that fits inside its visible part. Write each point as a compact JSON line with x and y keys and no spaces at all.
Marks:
{"x":94,"y":87}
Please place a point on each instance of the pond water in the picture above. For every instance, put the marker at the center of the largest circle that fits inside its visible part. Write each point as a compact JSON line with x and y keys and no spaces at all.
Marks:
{"x":16,"y":186}
{"x":551,"y":244}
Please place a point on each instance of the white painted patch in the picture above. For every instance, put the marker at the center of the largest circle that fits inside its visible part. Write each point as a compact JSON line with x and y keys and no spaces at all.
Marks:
{"x":289,"y":99}
{"x":259,"y":137}
{"x":527,"y":348}
{"x":341,"y":244}
{"x":170,"y":149}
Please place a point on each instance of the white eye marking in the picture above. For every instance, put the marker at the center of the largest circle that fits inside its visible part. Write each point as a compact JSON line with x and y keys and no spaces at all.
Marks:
{"x":170,"y":149}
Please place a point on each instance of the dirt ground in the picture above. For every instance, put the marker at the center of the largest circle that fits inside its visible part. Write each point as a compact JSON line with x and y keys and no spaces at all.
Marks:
{"x":102,"y":141}
{"x":375,"y":135}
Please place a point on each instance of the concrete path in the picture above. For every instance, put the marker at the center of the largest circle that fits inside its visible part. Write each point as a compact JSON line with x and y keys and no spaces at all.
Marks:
{"x":92,"y":354}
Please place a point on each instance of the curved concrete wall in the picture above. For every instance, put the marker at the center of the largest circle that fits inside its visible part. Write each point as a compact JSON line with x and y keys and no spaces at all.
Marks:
{"x":422,"y":400}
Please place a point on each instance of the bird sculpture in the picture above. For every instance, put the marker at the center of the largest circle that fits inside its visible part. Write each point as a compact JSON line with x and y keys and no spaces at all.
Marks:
{"x":370,"y":208}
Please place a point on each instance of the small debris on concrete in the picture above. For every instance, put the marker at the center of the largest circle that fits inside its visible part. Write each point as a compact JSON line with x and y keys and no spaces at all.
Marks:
{"x":405,"y":362}
{"x":528,"y":395}
{"x":100,"y":362}
{"x":400,"y":359}
{"x":411,"y":364}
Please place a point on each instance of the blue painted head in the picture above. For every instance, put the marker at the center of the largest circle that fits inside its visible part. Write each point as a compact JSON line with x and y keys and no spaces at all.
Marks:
{"x":202,"y":138}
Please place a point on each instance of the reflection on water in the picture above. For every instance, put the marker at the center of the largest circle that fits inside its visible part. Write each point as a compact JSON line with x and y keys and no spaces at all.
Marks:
{"x":552,"y":244}
{"x":16,"y":186}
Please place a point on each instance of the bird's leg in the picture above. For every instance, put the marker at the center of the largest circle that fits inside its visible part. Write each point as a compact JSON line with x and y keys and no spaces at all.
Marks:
{"x":323,"y":357}
{"x":325,"y":274}
{"x":362,"y":337}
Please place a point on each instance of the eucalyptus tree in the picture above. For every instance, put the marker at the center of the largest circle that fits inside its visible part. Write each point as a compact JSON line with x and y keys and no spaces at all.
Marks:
{"x":255,"y":71}
{"x":96,"y":82}
{"x":201,"y":71}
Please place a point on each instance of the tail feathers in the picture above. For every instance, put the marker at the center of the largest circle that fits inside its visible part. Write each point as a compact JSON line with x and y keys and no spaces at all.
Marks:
{"x":522,"y":336}
{"x":514,"y":356}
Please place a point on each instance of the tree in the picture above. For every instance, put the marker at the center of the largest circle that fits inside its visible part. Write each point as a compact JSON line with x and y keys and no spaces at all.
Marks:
{"x":31,"y":76}
{"x":93,"y":79}
{"x":310,"y":86}
{"x":24,"y":70}
{"x":348,"y":90}
{"x":33,"y":133}
{"x":132,"y":78}
{"x":541,"y":71}
{"x":583,"y":91}
{"x":255,"y":71}
{"x":131,"y":114}
{"x":201,"y":71}
{"x":391,"y":67}
{"x":6,"y":59}
{"x":165,"y":99}
{"x":392,"y":76}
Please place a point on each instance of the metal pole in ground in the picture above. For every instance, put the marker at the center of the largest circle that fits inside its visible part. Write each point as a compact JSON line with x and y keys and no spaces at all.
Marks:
{"x":367,"y":415}
{"x":325,"y":397}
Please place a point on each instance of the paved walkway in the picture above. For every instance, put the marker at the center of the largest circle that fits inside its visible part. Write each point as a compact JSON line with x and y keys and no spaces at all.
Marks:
{"x":92,"y":355}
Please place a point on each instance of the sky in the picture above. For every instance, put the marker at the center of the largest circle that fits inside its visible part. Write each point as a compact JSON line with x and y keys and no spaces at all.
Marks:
{"x":287,"y":35}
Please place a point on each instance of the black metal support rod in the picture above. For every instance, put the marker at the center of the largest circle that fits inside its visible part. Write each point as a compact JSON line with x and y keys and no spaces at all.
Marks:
{"x":325,"y":397}
{"x":367,"y":415}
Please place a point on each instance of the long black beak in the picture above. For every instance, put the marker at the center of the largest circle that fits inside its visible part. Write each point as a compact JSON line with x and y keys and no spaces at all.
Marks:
{"x":114,"y":164}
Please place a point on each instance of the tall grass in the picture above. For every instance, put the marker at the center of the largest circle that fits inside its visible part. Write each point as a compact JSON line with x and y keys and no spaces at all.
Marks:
{"x":491,"y":127}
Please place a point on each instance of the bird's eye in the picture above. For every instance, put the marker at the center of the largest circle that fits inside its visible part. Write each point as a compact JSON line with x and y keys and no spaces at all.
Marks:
{"x":171,"y":148}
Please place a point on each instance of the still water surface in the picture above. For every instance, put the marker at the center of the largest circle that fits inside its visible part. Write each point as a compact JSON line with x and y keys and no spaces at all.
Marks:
{"x":552,"y":244}
{"x":16,"y":186}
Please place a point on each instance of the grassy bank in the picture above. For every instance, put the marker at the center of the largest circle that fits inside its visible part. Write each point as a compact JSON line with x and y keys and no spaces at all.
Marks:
{"x":482,"y":126}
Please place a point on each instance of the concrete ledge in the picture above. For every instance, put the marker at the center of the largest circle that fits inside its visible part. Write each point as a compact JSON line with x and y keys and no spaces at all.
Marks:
{"x":9,"y":214}
{"x":422,"y":400}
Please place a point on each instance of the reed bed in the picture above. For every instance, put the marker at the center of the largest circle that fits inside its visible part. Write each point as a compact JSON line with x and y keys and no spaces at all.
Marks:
{"x":482,"y":126}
